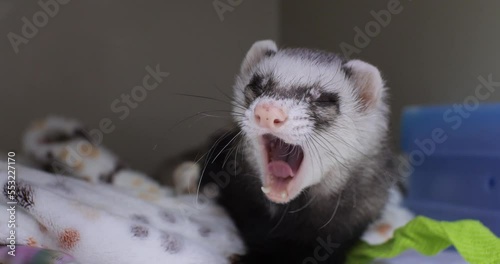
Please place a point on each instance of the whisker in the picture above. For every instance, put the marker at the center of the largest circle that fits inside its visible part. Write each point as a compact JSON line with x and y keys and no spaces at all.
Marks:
{"x":303,"y":207}
{"x":209,"y":152}
{"x":334,"y":212}
{"x":336,"y":137}
{"x":210,"y":98}
{"x":226,"y":146}
{"x":281,"y":219}
{"x":326,"y":142}
{"x":203,"y":114}
{"x":231,"y":99}
{"x":236,"y":154}
{"x":231,"y":151}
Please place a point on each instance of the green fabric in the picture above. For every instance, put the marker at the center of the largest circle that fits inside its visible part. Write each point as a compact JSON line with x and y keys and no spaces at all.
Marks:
{"x":474,"y":242}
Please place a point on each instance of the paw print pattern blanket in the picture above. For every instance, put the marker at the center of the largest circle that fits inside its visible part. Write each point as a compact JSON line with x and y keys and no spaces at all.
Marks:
{"x":97,"y":210}
{"x":105,"y":213}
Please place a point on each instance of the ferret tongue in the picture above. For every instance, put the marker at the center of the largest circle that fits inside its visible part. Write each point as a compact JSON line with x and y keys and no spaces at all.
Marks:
{"x":280,"y":169}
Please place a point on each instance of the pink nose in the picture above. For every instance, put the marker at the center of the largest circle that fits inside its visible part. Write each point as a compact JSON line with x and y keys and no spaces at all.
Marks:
{"x":269,"y":116}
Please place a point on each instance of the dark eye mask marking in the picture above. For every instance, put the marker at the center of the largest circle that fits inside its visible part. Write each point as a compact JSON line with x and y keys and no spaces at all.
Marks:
{"x":256,"y":88}
{"x":347,"y":71}
{"x":324,"y":109}
{"x":253,"y":89}
{"x":270,"y":53}
{"x":327,"y":99}
{"x":255,"y":84}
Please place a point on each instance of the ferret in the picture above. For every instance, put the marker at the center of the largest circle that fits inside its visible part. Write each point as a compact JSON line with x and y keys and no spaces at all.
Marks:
{"x":307,"y":166}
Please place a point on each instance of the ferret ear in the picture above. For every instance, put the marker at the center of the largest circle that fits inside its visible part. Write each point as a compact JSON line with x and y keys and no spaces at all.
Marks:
{"x":367,"y":82}
{"x":257,"y":52}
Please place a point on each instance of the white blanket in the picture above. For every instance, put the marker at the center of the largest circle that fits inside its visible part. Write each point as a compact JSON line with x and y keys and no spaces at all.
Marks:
{"x":103,"y":224}
{"x":98,"y":220}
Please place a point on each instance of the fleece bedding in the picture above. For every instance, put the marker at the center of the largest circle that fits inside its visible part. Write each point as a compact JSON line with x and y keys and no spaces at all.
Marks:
{"x":99,"y":211}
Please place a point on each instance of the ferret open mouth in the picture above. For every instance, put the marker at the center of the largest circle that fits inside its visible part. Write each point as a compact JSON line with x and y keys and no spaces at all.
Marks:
{"x":283,"y":162}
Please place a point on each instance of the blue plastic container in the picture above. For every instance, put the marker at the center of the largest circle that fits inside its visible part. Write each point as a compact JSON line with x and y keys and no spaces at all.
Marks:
{"x":454,"y":160}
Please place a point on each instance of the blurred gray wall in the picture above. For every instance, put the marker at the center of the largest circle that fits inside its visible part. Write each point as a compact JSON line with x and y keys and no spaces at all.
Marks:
{"x":91,"y":52}
{"x":431,"y":52}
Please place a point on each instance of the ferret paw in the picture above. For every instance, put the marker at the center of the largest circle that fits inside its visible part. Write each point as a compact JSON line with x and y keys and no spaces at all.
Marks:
{"x":393,"y":217}
{"x":186,"y":177}
{"x":383,"y":229}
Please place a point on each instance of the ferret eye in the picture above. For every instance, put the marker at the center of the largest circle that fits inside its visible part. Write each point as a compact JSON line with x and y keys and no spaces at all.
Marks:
{"x":255,"y":85}
{"x":256,"y":90}
{"x":327,"y":99}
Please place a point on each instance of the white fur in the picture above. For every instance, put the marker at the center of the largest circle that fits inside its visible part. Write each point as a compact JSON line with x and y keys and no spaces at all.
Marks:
{"x":256,"y":53}
{"x":393,"y":217}
{"x":357,"y":131}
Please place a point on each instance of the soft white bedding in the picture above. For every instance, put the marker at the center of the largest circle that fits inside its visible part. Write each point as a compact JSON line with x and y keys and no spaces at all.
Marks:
{"x":101,"y":214}
{"x":103,"y":224}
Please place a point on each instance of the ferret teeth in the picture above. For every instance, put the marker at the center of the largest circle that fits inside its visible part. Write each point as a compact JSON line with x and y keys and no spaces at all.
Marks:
{"x":265,"y":190}
{"x":284,"y":195}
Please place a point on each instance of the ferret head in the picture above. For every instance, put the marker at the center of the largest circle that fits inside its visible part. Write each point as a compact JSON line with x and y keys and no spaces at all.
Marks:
{"x":307,"y":116}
